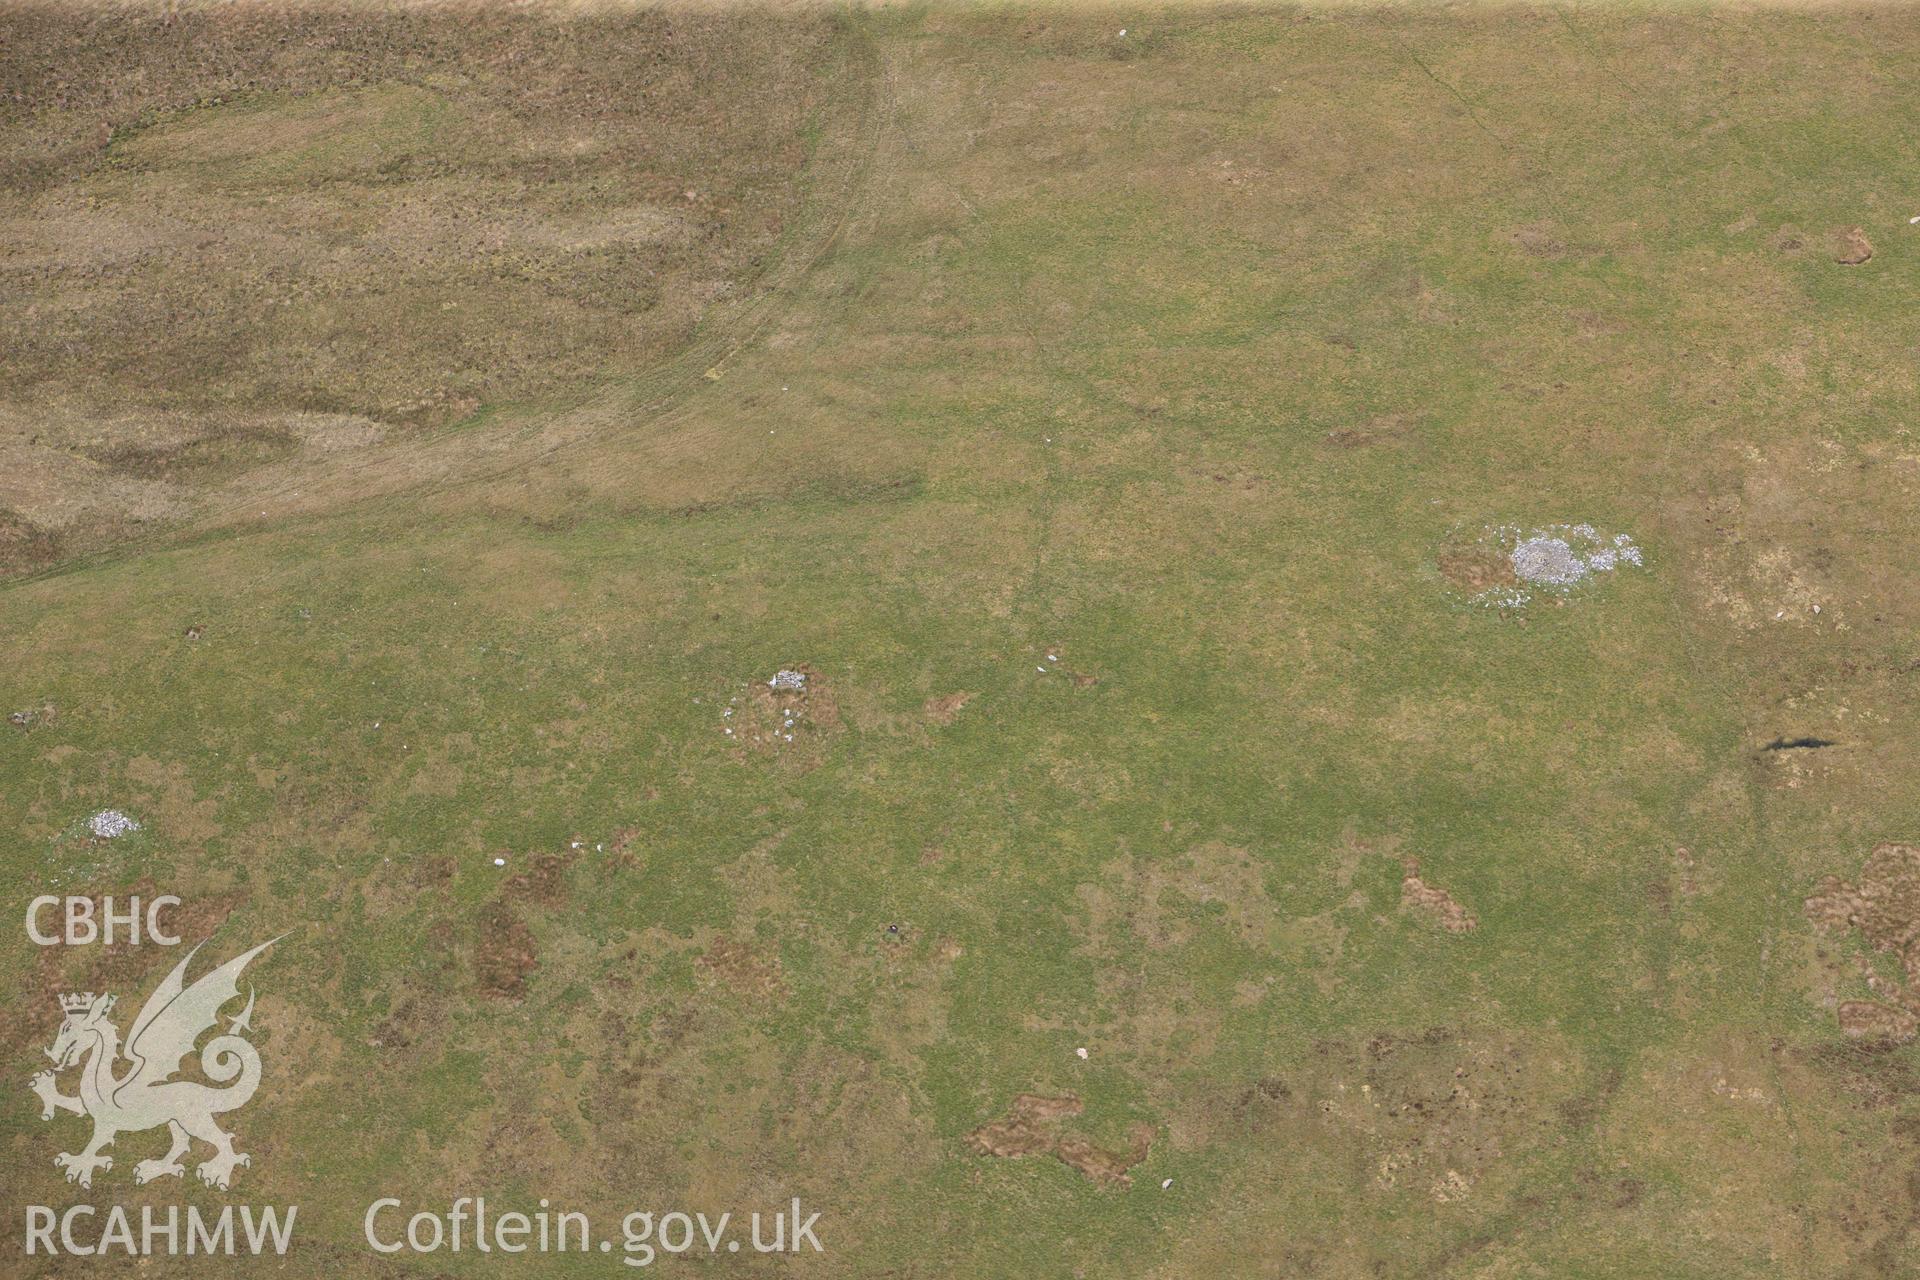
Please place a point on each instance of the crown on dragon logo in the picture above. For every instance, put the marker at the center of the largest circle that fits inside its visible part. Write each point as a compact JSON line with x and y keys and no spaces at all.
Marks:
{"x":82,"y":1001}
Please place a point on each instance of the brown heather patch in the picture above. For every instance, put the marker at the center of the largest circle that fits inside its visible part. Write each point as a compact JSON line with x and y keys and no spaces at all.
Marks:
{"x":24,"y":546}
{"x":742,"y":969}
{"x":1871,"y":1020}
{"x":620,"y":850}
{"x":419,"y":999}
{"x":504,"y":954}
{"x":544,"y":882}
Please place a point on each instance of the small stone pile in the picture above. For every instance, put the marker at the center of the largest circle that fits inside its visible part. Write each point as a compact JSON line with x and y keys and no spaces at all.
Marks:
{"x":111,"y":824}
{"x":1555,"y":559}
{"x":764,"y":716}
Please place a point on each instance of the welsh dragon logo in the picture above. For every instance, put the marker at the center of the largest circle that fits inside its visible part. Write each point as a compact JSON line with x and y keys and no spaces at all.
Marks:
{"x":145,"y":1094}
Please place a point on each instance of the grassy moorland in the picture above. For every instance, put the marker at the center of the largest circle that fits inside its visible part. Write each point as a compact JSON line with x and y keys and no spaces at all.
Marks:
{"x":422,"y":439}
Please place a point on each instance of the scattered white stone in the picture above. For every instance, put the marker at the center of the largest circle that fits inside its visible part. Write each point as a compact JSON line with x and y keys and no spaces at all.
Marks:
{"x":788,"y":680}
{"x":110,"y":824}
{"x":1164,"y":1185}
{"x":1080,"y":1052}
{"x":499,"y":862}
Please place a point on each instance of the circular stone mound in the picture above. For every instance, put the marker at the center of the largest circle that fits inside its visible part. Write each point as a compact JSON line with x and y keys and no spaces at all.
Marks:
{"x":1508,"y":565}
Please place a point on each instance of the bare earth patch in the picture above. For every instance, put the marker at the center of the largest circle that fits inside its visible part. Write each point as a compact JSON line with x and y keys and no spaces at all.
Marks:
{"x":1391,"y":428}
{"x":1851,"y":247}
{"x":1438,"y":1112}
{"x":781,"y":719}
{"x":1032,"y":1126}
{"x":1477,"y":569}
{"x":1434,"y":902}
{"x":1055,"y":664}
{"x":226,"y":230}
{"x":1537,"y":240}
{"x":1884,"y":908}
{"x":943,"y":710}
